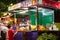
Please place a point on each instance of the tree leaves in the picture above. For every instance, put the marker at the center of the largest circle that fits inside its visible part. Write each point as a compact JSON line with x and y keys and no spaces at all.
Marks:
{"x":4,"y":4}
{"x":3,"y":7}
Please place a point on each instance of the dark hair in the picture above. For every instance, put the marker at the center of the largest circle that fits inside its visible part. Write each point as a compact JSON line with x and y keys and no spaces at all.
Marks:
{"x":2,"y":18}
{"x":9,"y":26}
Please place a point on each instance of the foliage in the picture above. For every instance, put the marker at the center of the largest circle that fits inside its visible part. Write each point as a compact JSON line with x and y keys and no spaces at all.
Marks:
{"x":8,"y":2}
{"x":4,"y":4}
{"x":3,"y":7}
{"x":46,"y":36}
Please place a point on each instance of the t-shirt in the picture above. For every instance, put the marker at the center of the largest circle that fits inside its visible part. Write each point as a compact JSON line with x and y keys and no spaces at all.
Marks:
{"x":10,"y":35}
{"x":3,"y":28}
{"x":14,"y":28}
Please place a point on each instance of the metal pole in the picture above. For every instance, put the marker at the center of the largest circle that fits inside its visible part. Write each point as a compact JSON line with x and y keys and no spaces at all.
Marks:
{"x":37,"y":16}
{"x":14,"y":18}
{"x":14,"y":15}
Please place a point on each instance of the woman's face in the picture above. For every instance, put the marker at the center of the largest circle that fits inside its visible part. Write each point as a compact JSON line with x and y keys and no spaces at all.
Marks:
{"x":5,"y":23}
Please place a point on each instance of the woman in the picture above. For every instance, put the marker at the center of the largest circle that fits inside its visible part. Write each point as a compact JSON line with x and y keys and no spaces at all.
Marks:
{"x":10,"y":33}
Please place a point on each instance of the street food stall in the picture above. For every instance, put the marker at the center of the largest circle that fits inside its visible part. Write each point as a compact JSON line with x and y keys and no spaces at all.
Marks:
{"x":28,"y":18}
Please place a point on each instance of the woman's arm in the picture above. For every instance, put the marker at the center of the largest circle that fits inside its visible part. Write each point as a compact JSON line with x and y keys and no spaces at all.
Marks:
{"x":7,"y":37}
